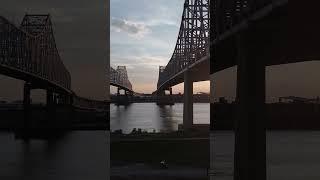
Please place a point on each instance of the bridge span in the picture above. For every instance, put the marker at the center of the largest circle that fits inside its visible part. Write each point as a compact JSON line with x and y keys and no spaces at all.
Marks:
{"x":119,"y":78}
{"x":190,"y":59}
{"x":252,"y":35}
{"x":29,"y":53}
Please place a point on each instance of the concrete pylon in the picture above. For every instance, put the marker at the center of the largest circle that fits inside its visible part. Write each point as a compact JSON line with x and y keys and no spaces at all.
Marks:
{"x":188,"y":101}
{"x":250,"y":126}
{"x":170,"y":90}
{"x":50,"y":99}
{"x":26,"y":104}
{"x":118,"y":91}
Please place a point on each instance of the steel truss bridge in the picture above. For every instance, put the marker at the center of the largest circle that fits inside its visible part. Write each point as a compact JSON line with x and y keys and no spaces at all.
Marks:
{"x":29,"y":53}
{"x":119,"y":78}
{"x":191,"y":51}
{"x":253,"y":34}
{"x":190,"y":59}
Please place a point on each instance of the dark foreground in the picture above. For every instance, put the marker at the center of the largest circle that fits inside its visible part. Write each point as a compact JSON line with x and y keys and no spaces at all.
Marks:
{"x":76,"y":155}
{"x":139,"y":156}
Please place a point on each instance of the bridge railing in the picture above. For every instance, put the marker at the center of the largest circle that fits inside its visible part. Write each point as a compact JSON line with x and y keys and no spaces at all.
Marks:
{"x":193,"y":39}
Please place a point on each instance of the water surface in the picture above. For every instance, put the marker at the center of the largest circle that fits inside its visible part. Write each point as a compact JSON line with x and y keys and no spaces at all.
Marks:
{"x":149,"y":116}
{"x":79,"y":155}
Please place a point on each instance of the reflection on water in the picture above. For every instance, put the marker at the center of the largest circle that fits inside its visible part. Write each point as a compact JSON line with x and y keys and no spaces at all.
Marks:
{"x":78,"y":155}
{"x":149,"y":116}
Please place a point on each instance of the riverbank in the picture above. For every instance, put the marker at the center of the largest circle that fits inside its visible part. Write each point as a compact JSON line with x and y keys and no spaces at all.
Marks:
{"x":187,"y":155}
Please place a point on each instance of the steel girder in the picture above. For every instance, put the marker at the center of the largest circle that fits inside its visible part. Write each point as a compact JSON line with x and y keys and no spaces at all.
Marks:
{"x":119,"y":77}
{"x":227,"y":14}
{"x":30,"y":50}
{"x":193,"y":39}
{"x":29,"y":53}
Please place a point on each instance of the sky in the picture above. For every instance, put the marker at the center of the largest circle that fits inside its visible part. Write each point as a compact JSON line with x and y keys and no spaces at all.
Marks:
{"x":143,"y":37}
{"x":80,"y":28}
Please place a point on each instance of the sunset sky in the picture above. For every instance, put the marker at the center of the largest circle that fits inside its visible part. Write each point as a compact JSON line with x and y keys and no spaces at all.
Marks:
{"x":143,"y":37}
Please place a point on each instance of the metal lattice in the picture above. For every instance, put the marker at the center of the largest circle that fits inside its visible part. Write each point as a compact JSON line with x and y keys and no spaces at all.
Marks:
{"x":227,"y":14}
{"x":29,"y":52}
{"x":193,"y":39}
{"x":119,"y":78}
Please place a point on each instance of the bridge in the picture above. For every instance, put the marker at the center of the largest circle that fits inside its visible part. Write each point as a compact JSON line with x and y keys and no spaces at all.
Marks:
{"x":119,"y":78}
{"x":253,"y":34}
{"x":190,"y":59}
{"x":29,"y":53}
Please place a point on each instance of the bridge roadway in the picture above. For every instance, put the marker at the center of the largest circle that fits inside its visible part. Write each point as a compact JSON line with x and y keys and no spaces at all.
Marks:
{"x":252,"y":35}
{"x":29,"y":53}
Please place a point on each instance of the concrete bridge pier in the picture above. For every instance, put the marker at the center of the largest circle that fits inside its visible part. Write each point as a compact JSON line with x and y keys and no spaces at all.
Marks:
{"x":188,"y":101}
{"x":50,"y":106}
{"x":50,"y":98}
{"x":163,"y":99}
{"x":250,"y":129}
{"x":118,"y":91}
{"x":123,"y":99}
{"x":26,"y":104}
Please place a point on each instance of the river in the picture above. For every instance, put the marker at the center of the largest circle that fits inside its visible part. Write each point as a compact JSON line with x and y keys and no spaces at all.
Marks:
{"x":79,"y":155}
{"x":82,"y":155}
{"x":149,"y":116}
{"x":290,"y":154}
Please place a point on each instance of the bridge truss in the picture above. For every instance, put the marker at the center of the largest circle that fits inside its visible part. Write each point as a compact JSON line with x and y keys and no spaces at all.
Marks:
{"x":119,"y":78}
{"x":30,"y":53}
{"x":193,"y":40}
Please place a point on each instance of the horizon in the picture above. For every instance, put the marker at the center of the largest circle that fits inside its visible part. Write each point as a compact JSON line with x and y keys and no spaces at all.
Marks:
{"x":143,"y":43}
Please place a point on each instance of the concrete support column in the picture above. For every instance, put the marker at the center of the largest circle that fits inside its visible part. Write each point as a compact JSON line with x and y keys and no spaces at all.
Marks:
{"x":170,"y":90}
{"x":26,"y":104}
{"x":55,"y":99}
{"x":250,"y":129}
{"x":118,"y":91}
{"x":188,"y":101}
{"x":50,"y":99}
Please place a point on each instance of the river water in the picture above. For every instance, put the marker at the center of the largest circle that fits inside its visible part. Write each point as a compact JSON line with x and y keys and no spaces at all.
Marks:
{"x":78,"y":155}
{"x":82,"y":155}
{"x":149,"y":116}
{"x":290,"y":154}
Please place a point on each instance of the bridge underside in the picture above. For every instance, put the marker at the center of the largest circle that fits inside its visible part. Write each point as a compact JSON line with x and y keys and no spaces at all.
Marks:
{"x":199,"y":71}
{"x":283,"y":40}
{"x":273,"y":36}
{"x":36,"y":81}
{"x":121,"y":87}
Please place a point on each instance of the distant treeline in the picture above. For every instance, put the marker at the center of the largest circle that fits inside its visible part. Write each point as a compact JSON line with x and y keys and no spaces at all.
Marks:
{"x":177,"y":98}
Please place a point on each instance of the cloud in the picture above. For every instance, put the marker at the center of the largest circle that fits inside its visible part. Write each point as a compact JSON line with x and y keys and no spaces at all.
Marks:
{"x":134,"y":29}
